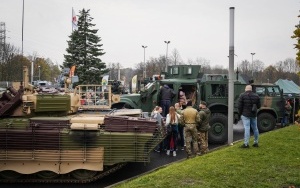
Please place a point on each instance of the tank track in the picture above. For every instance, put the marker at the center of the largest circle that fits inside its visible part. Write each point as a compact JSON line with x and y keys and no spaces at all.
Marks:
{"x":63,"y":178}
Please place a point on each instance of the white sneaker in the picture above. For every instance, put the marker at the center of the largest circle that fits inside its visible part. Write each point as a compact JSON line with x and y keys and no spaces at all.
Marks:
{"x":168,"y":152}
{"x":174,"y":153}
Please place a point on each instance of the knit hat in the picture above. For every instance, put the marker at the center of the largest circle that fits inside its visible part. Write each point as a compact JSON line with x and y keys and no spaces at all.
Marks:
{"x":248,"y":88}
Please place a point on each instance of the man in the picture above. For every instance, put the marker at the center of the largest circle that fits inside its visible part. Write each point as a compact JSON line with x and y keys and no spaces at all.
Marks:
{"x":246,"y":103}
{"x":203,"y":127}
{"x":190,"y":117}
{"x":287,"y":113}
{"x":166,"y":95}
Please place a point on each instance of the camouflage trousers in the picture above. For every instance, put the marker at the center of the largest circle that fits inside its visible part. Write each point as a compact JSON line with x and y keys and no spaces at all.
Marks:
{"x":190,"y":131}
{"x":203,"y":142}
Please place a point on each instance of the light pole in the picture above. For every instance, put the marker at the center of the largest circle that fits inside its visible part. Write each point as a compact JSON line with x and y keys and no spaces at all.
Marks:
{"x":167,"y":42}
{"x":39,"y":73}
{"x":144,"y":74}
{"x":252,"y":63}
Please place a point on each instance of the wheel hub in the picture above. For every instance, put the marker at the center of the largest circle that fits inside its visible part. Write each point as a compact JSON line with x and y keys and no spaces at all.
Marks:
{"x":218,"y":128}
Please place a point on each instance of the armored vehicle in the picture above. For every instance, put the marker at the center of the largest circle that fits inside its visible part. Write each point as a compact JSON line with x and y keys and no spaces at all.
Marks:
{"x":212,"y":88}
{"x":60,"y":137}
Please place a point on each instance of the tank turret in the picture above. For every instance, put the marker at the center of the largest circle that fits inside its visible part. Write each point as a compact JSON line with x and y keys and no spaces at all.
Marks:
{"x":69,"y":136}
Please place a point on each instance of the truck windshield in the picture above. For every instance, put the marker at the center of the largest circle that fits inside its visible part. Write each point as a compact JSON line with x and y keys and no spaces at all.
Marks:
{"x":273,"y":91}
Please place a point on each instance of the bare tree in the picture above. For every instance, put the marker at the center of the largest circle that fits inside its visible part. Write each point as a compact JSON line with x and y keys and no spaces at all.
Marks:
{"x":270,"y":74}
{"x":113,"y":71}
{"x":190,"y":62}
{"x":175,"y":57}
{"x":156,"y":65}
{"x":219,"y":69}
{"x":245,"y":67}
{"x":258,"y":66}
{"x":289,"y":63}
{"x":205,"y":64}
{"x":126,"y":76}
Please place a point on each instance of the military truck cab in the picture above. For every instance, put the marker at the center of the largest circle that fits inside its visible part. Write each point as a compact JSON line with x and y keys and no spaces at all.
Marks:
{"x":212,"y":88}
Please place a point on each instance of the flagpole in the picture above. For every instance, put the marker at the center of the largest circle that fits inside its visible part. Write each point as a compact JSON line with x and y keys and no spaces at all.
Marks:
{"x":22,"y":26}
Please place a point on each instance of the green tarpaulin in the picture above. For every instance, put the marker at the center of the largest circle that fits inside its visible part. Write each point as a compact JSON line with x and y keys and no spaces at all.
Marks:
{"x":288,"y":86}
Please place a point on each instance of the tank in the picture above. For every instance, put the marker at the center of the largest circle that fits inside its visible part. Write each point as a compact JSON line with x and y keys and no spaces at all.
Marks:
{"x":70,"y":136}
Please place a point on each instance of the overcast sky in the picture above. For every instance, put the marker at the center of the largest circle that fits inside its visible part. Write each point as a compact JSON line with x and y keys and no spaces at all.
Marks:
{"x":196,"y":28}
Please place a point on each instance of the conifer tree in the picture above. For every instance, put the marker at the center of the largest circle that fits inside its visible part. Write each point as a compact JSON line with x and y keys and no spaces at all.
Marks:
{"x":84,"y":50}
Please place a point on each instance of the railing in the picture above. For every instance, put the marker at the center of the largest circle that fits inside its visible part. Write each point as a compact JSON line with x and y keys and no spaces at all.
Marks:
{"x":94,"y":97}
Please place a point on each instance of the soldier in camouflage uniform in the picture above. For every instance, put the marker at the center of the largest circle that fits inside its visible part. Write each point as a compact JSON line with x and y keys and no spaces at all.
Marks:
{"x":190,"y":118}
{"x":203,"y":127}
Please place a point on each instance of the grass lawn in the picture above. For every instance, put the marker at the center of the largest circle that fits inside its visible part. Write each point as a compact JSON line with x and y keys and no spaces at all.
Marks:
{"x":275,"y":163}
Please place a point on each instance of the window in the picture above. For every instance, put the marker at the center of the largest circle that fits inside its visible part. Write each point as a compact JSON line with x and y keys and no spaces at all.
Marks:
{"x":175,"y":70}
{"x":260,"y":91}
{"x":273,"y":91}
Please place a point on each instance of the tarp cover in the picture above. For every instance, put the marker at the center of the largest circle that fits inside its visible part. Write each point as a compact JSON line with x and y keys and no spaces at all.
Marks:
{"x":288,"y":86}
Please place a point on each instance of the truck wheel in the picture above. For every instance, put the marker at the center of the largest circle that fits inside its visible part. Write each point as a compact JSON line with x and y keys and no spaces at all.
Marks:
{"x":265,"y":122}
{"x":218,"y":132}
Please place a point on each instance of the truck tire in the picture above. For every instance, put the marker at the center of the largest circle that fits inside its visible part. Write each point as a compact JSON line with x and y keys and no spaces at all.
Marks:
{"x":218,"y":132}
{"x":265,"y":122}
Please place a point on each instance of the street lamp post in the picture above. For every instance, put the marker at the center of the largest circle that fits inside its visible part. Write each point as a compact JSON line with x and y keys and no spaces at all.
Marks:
{"x":252,"y":63}
{"x":167,"y":42}
{"x":144,"y":73}
{"x":39,"y":73}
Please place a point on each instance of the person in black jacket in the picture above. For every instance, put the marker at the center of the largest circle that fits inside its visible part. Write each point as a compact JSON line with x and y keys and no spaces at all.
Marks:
{"x":166,"y":96}
{"x":247,"y":100}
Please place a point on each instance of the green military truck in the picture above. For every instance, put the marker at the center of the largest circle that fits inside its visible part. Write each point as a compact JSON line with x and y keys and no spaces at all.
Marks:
{"x":212,"y":88}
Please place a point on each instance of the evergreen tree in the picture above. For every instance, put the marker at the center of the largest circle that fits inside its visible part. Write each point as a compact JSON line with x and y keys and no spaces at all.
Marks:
{"x":84,"y":51}
{"x":297,"y":37}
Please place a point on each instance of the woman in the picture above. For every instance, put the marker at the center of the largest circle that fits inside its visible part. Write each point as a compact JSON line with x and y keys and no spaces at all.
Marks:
{"x":181,"y":142}
{"x":156,"y":114}
{"x":172,"y":120}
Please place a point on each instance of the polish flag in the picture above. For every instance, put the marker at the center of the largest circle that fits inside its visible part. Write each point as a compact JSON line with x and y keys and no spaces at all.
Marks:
{"x":74,"y":21}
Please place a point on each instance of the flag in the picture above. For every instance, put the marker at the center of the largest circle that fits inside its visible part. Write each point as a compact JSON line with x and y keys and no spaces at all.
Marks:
{"x":74,"y":20}
{"x":133,"y":84}
{"x":104,"y":81}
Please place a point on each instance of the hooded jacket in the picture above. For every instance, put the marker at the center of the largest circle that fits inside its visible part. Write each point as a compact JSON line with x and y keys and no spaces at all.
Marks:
{"x":166,"y":93}
{"x":203,"y":125}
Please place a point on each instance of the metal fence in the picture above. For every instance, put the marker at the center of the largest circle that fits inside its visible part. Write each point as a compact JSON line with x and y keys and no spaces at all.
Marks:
{"x":5,"y":84}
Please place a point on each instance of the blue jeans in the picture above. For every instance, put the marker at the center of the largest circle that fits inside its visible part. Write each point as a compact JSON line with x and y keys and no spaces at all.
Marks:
{"x":250,"y":121}
{"x":165,"y":105}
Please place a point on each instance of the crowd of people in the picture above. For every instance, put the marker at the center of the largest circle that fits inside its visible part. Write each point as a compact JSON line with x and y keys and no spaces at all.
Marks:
{"x":186,"y":127}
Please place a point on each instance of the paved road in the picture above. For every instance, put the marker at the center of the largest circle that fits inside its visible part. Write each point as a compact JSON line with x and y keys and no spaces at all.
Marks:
{"x":130,"y":170}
